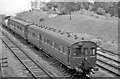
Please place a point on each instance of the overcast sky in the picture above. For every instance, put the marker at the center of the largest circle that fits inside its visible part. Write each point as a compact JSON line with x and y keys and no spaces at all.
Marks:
{"x":13,"y":6}
{"x":10,"y":7}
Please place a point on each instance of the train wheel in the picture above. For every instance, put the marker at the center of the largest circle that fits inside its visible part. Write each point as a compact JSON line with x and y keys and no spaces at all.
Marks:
{"x":72,"y":71}
{"x":66,"y":68}
{"x":85,"y":72}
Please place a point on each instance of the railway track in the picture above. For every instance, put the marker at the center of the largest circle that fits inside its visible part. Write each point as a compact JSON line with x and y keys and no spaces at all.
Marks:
{"x":109,"y":63}
{"x":110,"y":52}
{"x":30,"y":64}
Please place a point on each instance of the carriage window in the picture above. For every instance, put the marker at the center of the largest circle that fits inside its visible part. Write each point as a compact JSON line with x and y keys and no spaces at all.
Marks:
{"x":40,"y":37}
{"x":92,"y":51}
{"x":51,"y":43}
{"x":17,"y":26}
{"x":59,"y":47}
{"x":48,"y":41}
{"x":44,"y":40}
{"x":63,"y":49}
{"x":20,"y":28}
{"x":77,"y":52}
{"x":37,"y":37}
{"x":55,"y":45}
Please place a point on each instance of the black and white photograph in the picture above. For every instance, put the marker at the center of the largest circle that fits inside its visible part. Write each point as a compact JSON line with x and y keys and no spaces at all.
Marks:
{"x":59,"y":39}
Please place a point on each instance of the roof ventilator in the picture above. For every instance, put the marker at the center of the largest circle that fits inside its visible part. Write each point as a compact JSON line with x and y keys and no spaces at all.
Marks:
{"x":54,"y":30}
{"x":41,"y":26}
{"x":36,"y":24}
{"x":46,"y":27}
{"x":82,"y":38}
{"x":61,"y":33}
{"x":49,"y":28}
{"x":76,"y":37}
{"x":68,"y":34}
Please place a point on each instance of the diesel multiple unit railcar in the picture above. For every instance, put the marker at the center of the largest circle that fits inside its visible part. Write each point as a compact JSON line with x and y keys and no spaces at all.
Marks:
{"x":76,"y":53}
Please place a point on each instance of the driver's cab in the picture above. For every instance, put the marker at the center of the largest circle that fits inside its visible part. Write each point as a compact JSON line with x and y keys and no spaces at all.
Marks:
{"x":83,"y":51}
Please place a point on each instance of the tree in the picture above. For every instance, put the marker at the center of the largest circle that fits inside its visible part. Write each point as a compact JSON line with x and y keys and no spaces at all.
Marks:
{"x":69,"y":8}
{"x":77,"y":6}
{"x":114,"y":9}
{"x":49,"y":5}
{"x":86,"y":5}
{"x":119,"y":9}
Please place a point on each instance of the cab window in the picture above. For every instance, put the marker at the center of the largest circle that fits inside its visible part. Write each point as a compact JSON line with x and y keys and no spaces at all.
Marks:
{"x":92,"y":51}
{"x":77,"y":52}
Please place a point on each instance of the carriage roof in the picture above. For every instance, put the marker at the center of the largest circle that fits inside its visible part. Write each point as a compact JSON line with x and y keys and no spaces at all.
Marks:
{"x":19,"y":21}
{"x":57,"y":35}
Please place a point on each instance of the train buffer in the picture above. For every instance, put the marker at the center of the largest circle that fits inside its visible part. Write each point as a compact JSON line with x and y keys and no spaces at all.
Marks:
{"x":4,"y":62}
{"x":5,"y":58}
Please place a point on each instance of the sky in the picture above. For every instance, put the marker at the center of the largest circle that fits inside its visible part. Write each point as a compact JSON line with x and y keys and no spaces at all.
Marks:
{"x":10,"y":7}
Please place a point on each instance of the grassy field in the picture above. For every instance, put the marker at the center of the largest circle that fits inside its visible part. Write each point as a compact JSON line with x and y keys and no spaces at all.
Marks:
{"x":102,"y":28}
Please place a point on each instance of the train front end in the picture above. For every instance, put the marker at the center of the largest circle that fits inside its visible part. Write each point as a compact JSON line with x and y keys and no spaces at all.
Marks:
{"x":83,"y":57}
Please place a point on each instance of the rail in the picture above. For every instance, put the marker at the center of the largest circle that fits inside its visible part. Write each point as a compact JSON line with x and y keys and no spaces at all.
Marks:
{"x":30,"y":64}
{"x":109,"y":63}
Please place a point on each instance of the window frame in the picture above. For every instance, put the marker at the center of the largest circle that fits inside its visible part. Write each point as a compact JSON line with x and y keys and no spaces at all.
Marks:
{"x":75,"y":53}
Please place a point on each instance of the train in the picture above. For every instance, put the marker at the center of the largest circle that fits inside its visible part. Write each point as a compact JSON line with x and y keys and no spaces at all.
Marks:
{"x":77,"y":54}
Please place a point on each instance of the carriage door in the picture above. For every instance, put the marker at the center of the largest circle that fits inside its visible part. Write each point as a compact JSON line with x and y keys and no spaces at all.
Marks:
{"x":25,"y":31}
{"x":75,"y":56}
{"x":40,"y":39}
{"x":86,"y":57}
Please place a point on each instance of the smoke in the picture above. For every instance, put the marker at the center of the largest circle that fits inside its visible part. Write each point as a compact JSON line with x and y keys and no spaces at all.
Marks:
{"x":11,"y":7}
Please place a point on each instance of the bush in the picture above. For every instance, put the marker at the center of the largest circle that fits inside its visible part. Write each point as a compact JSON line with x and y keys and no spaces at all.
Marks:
{"x":100,"y":11}
{"x":108,"y":15}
